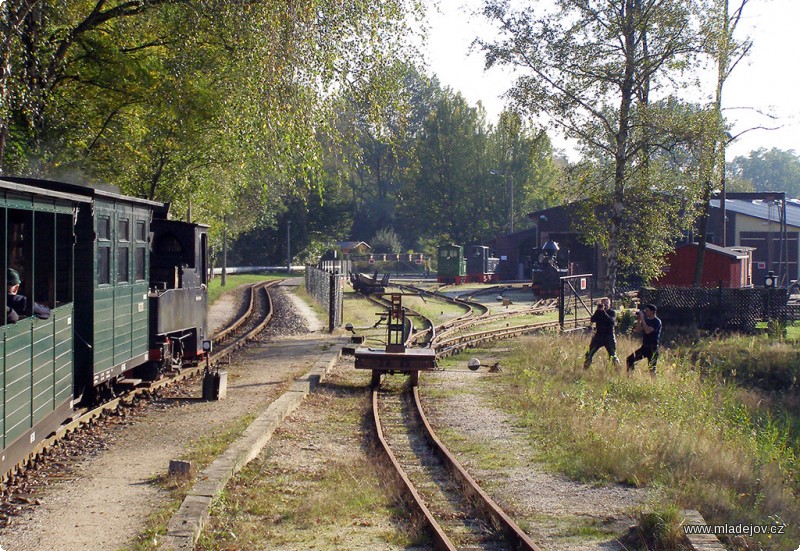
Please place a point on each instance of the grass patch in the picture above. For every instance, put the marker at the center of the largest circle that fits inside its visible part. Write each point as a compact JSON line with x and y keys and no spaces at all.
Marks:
{"x":207,"y":448}
{"x":201,"y":453}
{"x":436,"y":309}
{"x":486,"y":454}
{"x":303,"y":295}
{"x":364,"y":314}
{"x":318,"y":485}
{"x":699,"y":441}
{"x":215,"y":289}
{"x":756,"y":361}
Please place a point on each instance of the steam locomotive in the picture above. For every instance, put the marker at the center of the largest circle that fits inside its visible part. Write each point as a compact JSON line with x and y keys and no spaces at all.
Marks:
{"x":547,"y":272}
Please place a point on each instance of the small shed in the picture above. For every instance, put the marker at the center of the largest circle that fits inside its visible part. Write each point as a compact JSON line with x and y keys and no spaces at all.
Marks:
{"x":732,"y":267}
{"x":354,"y":247}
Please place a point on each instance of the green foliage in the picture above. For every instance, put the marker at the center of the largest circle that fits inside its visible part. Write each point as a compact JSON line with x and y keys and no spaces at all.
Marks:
{"x":437,"y":170}
{"x":626,"y":320}
{"x":213,"y":103}
{"x":590,"y":67}
{"x":759,"y":362}
{"x":386,"y":240}
{"x":663,"y":529}
{"x":770,"y":170}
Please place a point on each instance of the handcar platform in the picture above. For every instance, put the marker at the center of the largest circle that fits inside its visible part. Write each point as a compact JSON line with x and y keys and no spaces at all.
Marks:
{"x":410,"y":360}
{"x":395,"y":358}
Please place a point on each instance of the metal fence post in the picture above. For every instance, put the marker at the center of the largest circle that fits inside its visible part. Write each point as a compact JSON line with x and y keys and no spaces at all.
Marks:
{"x":331,"y":302}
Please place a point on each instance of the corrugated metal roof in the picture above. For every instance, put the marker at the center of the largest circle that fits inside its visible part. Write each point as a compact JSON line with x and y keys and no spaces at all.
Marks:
{"x":727,"y":251}
{"x":762,"y":210}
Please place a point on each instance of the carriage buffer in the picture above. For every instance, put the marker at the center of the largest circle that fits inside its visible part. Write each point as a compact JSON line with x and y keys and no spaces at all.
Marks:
{"x":396,"y":358}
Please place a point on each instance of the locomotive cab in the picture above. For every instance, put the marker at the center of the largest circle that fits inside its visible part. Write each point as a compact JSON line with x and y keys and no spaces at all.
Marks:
{"x":452,"y":266}
{"x":481,"y":265}
{"x":178,"y":294}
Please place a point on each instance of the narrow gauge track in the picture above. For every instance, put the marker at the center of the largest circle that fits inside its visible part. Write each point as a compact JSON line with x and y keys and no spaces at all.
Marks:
{"x":459,"y":514}
{"x":447,"y":339}
{"x":249,"y":324}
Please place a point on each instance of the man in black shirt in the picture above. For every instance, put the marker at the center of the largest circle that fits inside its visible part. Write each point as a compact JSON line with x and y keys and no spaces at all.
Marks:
{"x":17,"y":304}
{"x":650,"y":327}
{"x":604,"y":319}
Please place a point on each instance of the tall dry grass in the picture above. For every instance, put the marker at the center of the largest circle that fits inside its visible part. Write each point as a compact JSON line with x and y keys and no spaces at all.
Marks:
{"x":692,"y":435}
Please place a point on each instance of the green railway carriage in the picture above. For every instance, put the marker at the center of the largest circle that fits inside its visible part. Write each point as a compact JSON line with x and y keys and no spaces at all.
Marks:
{"x":111,"y":288}
{"x":111,"y":278}
{"x":36,"y":391}
{"x":452,"y":264}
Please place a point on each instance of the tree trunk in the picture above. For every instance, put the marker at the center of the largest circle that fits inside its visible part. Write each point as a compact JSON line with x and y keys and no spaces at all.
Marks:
{"x":621,"y":149}
{"x":702,"y":230}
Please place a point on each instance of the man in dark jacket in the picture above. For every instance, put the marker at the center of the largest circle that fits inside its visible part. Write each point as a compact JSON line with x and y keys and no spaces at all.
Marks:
{"x":650,"y":327}
{"x":604,"y":319}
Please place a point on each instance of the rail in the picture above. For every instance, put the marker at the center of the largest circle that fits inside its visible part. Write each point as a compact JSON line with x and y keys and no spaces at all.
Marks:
{"x":512,"y":535}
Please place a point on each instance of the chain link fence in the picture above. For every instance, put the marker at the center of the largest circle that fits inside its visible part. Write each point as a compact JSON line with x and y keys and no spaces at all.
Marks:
{"x":719,"y":309}
{"x":327,"y":289}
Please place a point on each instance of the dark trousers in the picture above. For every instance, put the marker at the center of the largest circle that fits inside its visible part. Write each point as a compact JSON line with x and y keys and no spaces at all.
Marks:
{"x":609,"y":342}
{"x":648,"y":351}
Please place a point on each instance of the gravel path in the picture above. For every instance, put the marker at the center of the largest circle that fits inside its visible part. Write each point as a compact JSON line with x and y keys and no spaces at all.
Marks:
{"x":109,"y":503}
{"x":552,"y":504}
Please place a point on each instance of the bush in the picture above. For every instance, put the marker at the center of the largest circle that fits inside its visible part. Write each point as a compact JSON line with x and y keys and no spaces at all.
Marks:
{"x":751,"y":361}
{"x":386,"y":241}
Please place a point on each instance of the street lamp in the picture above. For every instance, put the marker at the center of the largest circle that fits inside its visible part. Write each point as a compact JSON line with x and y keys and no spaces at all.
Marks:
{"x":510,"y":197}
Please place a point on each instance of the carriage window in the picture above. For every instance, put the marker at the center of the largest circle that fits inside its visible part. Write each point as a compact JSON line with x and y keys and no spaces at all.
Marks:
{"x":140,"y":257}
{"x":103,"y":250}
{"x":104,"y":227}
{"x":63,"y":270}
{"x":123,"y":227}
{"x":123,"y":264}
{"x":140,"y":250}
{"x":104,"y":265}
{"x":141,"y":231}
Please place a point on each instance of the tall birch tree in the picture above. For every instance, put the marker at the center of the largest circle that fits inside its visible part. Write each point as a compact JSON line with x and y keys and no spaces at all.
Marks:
{"x":592,"y":67}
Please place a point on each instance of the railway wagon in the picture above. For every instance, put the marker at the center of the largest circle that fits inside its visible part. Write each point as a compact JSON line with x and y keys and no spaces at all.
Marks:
{"x":85,"y":254}
{"x":481,"y":265}
{"x":452,"y":264}
{"x":37,"y":368}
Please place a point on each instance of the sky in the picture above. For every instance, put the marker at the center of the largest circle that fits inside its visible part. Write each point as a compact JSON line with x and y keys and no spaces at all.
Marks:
{"x":767,"y":81}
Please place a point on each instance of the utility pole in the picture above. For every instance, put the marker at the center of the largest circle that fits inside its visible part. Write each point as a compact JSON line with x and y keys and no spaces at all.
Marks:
{"x":224,"y":250}
{"x":288,"y":246}
{"x":511,"y":204}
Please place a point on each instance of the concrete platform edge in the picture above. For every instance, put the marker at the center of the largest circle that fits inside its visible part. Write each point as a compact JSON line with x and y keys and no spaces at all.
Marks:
{"x":186,"y":525}
{"x":700,"y":542}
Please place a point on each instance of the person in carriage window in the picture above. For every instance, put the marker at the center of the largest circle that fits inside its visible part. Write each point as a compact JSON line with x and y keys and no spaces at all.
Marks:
{"x":16,"y":304}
